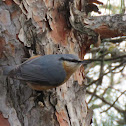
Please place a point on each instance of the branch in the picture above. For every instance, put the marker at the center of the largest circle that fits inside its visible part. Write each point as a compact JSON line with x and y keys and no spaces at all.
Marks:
{"x":106,"y":102}
{"x":115,"y":40}
{"x":109,"y":26}
{"x":119,"y":70}
{"x":94,"y":81}
{"x":100,"y":80}
{"x":108,"y":59}
{"x":94,"y":92}
{"x":114,"y":102}
{"x":114,"y":89}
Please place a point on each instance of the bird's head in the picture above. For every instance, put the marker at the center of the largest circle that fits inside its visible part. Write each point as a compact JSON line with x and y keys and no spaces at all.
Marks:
{"x":74,"y":61}
{"x":71,"y":64}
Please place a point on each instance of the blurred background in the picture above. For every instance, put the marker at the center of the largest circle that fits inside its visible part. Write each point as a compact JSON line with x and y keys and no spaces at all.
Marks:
{"x":106,"y":93}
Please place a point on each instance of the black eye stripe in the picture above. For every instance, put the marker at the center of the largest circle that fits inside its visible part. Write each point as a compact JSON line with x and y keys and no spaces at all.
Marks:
{"x":70,"y":60}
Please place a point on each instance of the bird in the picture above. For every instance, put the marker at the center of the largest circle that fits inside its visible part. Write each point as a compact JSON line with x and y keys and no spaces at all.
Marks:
{"x":45,"y":72}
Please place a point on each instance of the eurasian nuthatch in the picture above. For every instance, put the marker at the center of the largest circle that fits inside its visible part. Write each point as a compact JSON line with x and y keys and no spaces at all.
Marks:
{"x":45,"y":72}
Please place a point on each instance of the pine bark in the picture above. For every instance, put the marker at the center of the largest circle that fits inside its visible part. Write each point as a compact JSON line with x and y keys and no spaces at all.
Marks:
{"x":31,"y":27}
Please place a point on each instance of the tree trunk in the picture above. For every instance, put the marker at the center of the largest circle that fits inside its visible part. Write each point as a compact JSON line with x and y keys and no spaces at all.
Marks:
{"x":40,"y":29}
{"x":31,"y":27}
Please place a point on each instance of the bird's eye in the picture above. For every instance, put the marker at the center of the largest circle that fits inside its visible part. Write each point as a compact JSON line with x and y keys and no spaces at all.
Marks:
{"x":61,"y":58}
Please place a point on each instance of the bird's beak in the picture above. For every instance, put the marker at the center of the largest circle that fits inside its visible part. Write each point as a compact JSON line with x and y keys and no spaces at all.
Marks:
{"x":84,"y":62}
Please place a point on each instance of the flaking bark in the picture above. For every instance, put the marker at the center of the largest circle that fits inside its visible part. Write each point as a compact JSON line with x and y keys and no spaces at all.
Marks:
{"x":42,"y":27}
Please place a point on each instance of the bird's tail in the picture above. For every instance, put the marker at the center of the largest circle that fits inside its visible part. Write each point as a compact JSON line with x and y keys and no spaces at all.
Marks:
{"x":6,"y":70}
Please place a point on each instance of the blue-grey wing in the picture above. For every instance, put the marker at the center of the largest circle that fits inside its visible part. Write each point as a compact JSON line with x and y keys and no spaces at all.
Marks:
{"x":30,"y":72}
{"x":42,"y":71}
